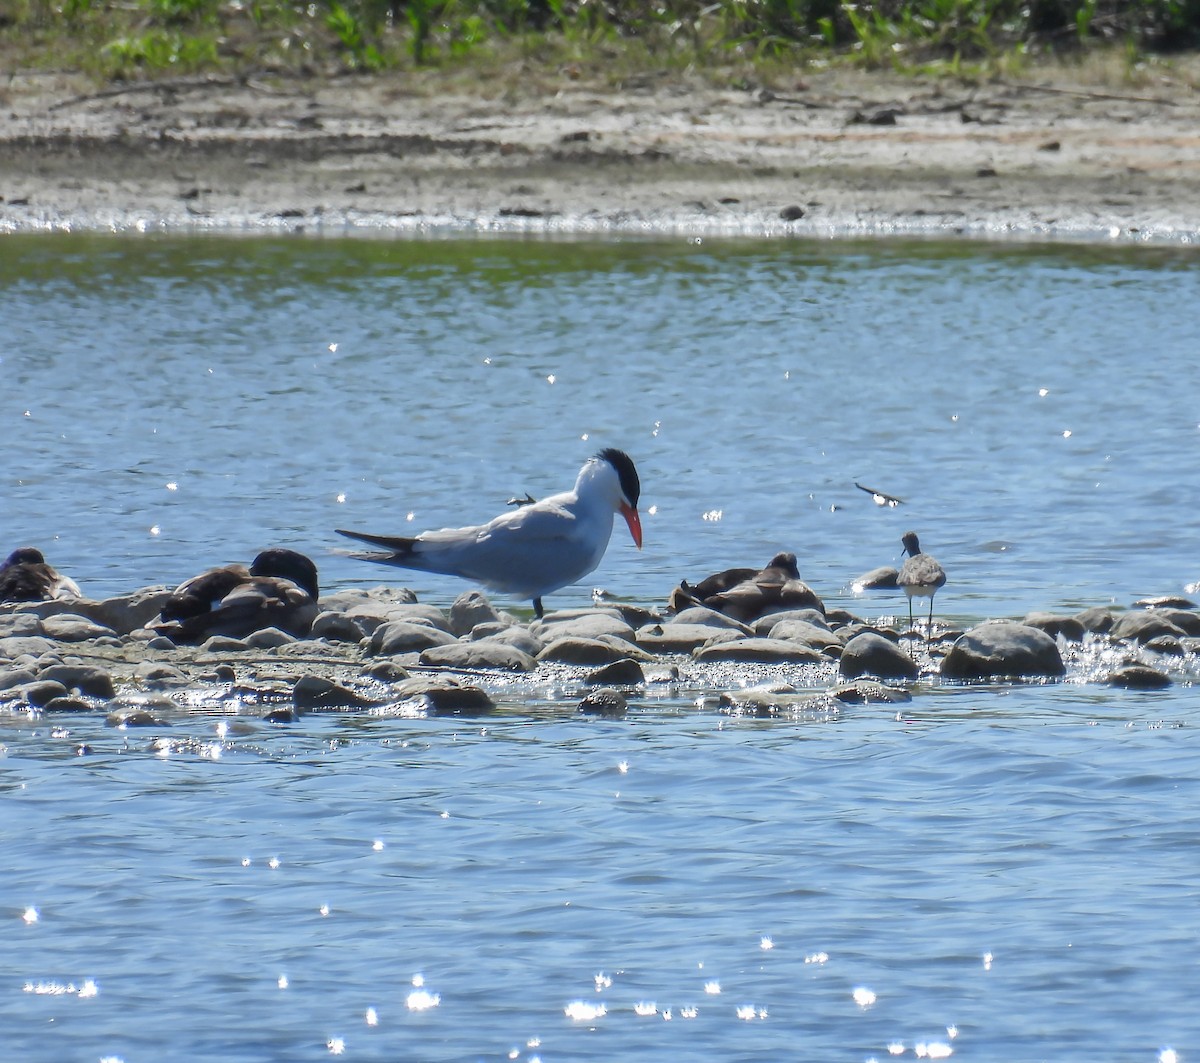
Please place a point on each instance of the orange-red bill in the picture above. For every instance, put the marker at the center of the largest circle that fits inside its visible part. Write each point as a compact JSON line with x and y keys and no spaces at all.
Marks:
{"x":634,"y":521}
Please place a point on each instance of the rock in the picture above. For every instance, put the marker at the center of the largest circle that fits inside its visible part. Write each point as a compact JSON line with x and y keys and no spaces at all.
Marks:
{"x":1069,"y":627}
{"x":129,"y":612}
{"x":591,"y":625}
{"x":439,"y":696}
{"x":87,"y":679}
{"x":18,"y":625}
{"x":354,"y":597}
{"x":1185,"y":619}
{"x":69,"y":703}
{"x":763,"y":625}
{"x":625,"y":673}
{"x":338,"y":627}
{"x":317,"y":692}
{"x":604,"y":702}
{"x":867,"y":692}
{"x":485,"y":654}
{"x":402,"y":636}
{"x":156,"y":672}
{"x":680,"y":638}
{"x":415,"y":613}
{"x":510,"y":635}
{"x":1166,"y":601}
{"x":1139,"y":677}
{"x":1098,"y":619}
{"x":470,"y":609}
{"x":774,"y":700}
{"x":19,"y":645}
{"x":581,"y":651}
{"x":878,"y":579}
{"x":999,"y":649}
{"x":134,"y":716}
{"x":16,"y":677}
{"x":1167,"y":644}
{"x":1143,"y":626}
{"x":836,"y":618}
{"x":817,"y":637}
{"x":869,"y":653}
{"x":758,"y":651}
{"x":41,"y":692}
{"x":281,"y":714}
{"x":386,"y":671}
{"x":705,"y":617}
{"x":269,"y":638}
{"x":218,"y":644}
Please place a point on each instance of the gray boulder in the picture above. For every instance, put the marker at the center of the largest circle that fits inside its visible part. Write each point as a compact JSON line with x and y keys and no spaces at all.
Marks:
{"x":816,"y":636}
{"x":1139,"y":677}
{"x":878,"y":579}
{"x":18,"y":625}
{"x":402,"y":636}
{"x":758,"y":651}
{"x":1070,"y":628}
{"x":999,"y":649}
{"x":440,"y":696}
{"x":625,"y":673}
{"x":588,"y":625}
{"x":484,"y":654}
{"x":869,"y":653}
{"x":581,"y":651}
{"x":604,"y":701}
{"x":681,"y":638}
{"x":87,"y":679}
{"x":1144,"y":626}
{"x":470,"y":609}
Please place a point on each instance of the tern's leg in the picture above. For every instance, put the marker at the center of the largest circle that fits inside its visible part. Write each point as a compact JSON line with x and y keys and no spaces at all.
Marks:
{"x":537,"y":608}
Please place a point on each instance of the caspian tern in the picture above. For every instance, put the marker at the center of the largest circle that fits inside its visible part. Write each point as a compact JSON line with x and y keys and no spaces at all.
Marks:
{"x":534,"y":549}
{"x":25,"y":577}
{"x":920,"y":576}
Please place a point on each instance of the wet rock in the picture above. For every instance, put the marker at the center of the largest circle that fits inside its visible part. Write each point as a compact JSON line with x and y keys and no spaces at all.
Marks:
{"x":470,"y":609}
{"x":363,"y":597}
{"x":484,"y":654}
{"x":386,"y":671}
{"x":269,"y":638}
{"x":440,"y":696}
{"x":1098,"y":619}
{"x":85,"y":678}
{"x":878,"y":579}
{"x":869,"y":653}
{"x":1068,"y":627}
{"x":159,"y":674}
{"x":1184,"y":619}
{"x":281,"y":714}
{"x":775,"y":700}
{"x":318,"y":692}
{"x":680,"y":638}
{"x":1166,"y":601}
{"x":68,"y":703}
{"x":1139,"y":677}
{"x":1143,"y":626}
{"x":868,"y":692}
{"x":16,"y":677}
{"x":624,"y":673}
{"x":998,"y":649}
{"x":1166,"y":644}
{"x":139,"y":710}
{"x":758,"y":651}
{"x":41,"y":692}
{"x":402,"y":636}
{"x":582,"y":651}
{"x":18,"y":625}
{"x":604,"y":701}
{"x":416,"y":613}
{"x":837,"y":618}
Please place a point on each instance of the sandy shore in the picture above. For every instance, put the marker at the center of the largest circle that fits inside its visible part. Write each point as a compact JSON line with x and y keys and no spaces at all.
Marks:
{"x":840,"y":154}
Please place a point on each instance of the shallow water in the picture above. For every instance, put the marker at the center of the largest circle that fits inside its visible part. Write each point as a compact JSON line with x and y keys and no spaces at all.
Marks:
{"x":1001,"y":873}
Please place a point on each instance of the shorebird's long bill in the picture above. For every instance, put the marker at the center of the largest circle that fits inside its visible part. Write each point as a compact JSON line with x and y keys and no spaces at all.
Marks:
{"x":634,"y":521}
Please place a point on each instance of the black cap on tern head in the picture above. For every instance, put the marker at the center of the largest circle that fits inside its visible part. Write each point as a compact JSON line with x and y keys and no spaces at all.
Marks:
{"x":631,"y":486}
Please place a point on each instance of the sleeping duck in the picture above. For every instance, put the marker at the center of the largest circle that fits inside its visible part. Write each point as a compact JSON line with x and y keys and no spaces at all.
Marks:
{"x":25,"y":577}
{"x":747,"y":594}
{"x":278,"y":590}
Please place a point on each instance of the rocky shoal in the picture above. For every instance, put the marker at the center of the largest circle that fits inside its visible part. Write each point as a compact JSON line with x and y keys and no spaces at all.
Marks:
{"x":380,"y":651}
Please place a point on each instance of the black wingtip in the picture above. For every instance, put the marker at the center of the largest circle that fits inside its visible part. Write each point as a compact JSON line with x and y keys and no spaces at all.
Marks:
{"x":631,"y":486}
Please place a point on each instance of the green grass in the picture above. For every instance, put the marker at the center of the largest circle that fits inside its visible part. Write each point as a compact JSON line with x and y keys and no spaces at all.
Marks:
{"x":130,"y":39}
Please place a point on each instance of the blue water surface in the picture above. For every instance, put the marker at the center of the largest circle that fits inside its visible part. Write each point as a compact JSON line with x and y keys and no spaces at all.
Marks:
{"x":1001,"y":873}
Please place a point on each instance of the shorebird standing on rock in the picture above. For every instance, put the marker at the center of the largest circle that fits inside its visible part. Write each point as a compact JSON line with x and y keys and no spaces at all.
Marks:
{"x":534,"y":549}
{"x":920,"y":577}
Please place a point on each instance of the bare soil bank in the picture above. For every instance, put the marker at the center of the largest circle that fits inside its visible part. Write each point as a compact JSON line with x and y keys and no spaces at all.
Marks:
{"x":841,"y":154}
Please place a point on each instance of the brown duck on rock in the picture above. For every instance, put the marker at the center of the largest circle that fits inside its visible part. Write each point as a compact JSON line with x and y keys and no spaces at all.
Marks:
{"x":746,"y":594}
